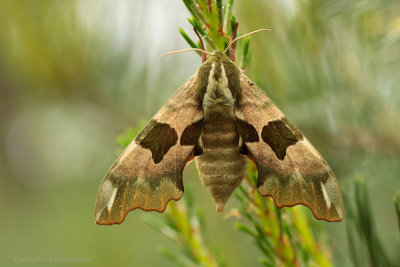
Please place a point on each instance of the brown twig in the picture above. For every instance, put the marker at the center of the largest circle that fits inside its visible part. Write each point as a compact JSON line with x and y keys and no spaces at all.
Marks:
{"x":209,"y":4}
{"x":203,"y":56}
{"x":232,"y":50}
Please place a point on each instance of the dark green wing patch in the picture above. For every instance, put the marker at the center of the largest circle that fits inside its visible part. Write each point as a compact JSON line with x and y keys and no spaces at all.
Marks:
{"x":158,"y":138}
{"x":191,"y":134}
{"x":246,"y":131}
{"x":279,"y":135}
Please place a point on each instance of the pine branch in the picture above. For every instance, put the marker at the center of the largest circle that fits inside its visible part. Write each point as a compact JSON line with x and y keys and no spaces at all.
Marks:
{"x":284,"y":236}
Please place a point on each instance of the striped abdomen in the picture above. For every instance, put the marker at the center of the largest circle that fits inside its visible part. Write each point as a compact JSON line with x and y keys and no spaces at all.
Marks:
{"x":221,"y":167}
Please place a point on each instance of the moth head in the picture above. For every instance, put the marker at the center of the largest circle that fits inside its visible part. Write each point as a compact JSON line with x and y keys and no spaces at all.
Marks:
{"x":232,"y":71}
{"x":218,"y":55}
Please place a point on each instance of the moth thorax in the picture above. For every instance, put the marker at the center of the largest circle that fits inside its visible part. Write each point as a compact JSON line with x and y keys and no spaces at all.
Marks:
{"x":217,"y":95}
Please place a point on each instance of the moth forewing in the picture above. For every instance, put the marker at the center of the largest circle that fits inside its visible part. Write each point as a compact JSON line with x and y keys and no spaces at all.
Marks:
{"x":290,"y":169}
{"x":149,"y":172}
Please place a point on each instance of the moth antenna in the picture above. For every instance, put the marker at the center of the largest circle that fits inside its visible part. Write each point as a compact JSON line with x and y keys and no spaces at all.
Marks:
{"x":181,"y":51}
{"x":240,"y":37}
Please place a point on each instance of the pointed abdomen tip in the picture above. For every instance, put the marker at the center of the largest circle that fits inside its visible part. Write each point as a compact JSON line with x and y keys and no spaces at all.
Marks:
{"x":220,"y":207}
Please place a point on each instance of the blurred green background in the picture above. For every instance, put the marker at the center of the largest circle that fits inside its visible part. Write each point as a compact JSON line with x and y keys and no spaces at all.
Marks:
{"x":76,"y":74}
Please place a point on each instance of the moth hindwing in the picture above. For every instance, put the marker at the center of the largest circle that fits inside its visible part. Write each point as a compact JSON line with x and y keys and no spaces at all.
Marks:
{"x":220,"y":117}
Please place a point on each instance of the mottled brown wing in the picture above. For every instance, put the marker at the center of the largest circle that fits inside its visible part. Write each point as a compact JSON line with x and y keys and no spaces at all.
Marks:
{"x":149,"y":172}
{"x":290,"y":169}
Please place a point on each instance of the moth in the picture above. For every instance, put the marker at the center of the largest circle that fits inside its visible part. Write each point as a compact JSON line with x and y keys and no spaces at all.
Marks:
{"x":222,"y":119}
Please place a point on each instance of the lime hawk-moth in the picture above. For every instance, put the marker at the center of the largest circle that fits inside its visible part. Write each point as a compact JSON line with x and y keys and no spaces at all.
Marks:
{"x":222,"y":119}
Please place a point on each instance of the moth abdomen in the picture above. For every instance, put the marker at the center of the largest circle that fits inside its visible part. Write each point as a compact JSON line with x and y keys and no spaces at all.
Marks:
{"x":219,"y":127}
{"x":219,"y":162}
{"x":221,"y":167}
{"x":220,"y":140}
